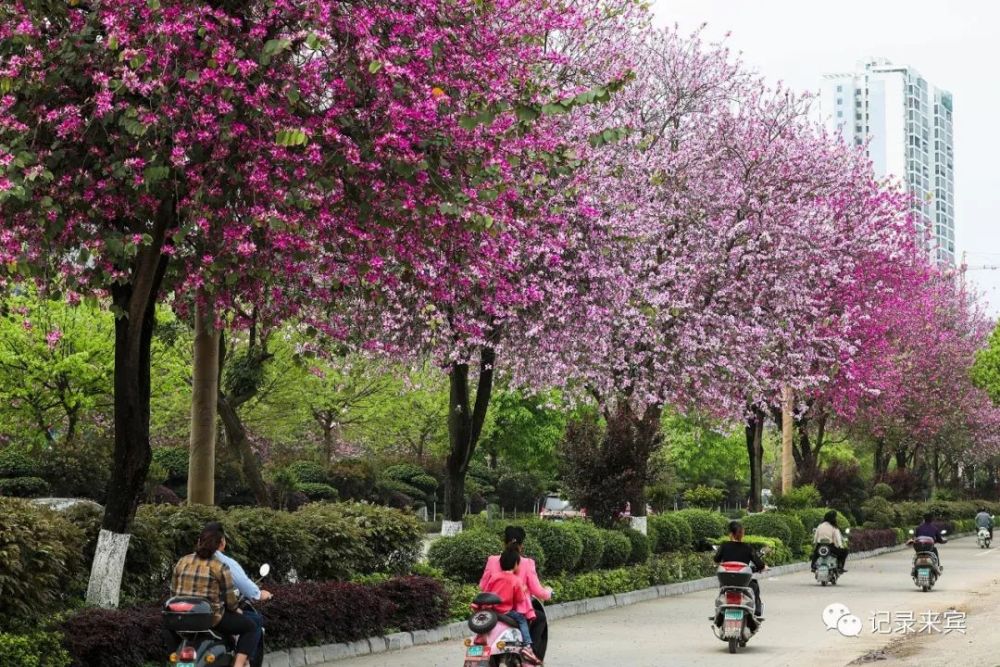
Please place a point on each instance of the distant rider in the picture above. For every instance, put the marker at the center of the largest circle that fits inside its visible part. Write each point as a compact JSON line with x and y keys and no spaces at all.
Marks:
{"x":985,"y":520}
{"x":829,"y":532}
{"x":929,"y":529}
{"x":736,"y":550}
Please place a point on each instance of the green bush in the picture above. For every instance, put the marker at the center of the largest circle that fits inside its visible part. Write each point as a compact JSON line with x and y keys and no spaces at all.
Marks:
{"x":777,"y":552}
{"x":799,"y":498}
{"x":354,"y":479}
{"x":394,"y":538}
{"x":16,"y":463}
{"x":308,"y":472}
{"x":799,"y":536}
{"x":273,"y":537}
{"x":397,"y":494}
{"x":768,"y":524}
{"x":340,"y":550}
{"x":616,"y":548}
{"x":672,"y":532}
{"x":318,"y":491}
{"x":679,"y":566}
{"x":174,"y":460}
{"x":641,"y":545}
{"x":24,"y":487}
{"x":705,"y":524}
{"x":40,"y":649}
{"x":462,"y":557}
{"x":882,"y":490}
{"x":562,"y":546}
{"x":42,"y":564}
{"x":704,"y":497}
{"x":879,"y":513}
{"x":427,"y":484}
{"x":593,"y":546}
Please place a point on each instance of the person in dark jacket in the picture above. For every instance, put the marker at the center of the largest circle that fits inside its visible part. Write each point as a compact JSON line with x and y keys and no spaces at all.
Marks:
{"x":736,"y":550}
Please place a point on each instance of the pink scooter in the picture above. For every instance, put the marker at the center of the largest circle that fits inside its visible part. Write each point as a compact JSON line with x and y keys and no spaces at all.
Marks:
{"x":496,"y":641}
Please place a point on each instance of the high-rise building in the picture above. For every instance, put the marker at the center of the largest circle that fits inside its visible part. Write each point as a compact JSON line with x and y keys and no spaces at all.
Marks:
{"x":907,"y":126}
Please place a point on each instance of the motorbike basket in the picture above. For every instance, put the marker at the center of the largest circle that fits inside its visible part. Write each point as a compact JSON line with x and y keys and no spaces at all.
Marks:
{"x":188,"y":614}
{"x":483,"y":621}
{"x":734,"y":574}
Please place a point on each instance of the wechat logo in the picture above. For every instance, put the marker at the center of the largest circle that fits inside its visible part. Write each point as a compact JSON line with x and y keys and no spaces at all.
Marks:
{"x":838,"y":617}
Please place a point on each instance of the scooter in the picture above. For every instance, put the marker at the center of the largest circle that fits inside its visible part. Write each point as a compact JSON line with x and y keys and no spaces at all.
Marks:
{"x":827,"y":565}
{"x":496,"y":640}
{"x":190,"y":618}
{"x":926,"y":568}
{"x":735,"y":620}
{"x":983,"y":537}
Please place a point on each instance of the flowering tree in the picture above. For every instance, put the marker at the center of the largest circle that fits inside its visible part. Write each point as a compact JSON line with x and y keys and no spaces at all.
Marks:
{"x":223,"y":150}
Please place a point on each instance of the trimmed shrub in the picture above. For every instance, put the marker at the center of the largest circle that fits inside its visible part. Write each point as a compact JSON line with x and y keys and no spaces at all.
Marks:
{"x":393,"y":538}
{"x":340,"y":549}
{"x":463,"y":556}
{"x":308,"y":472}
{"x":705,"y":525}
{"x":353,"y":478}
{"x":768,"y":524}
{"x":616,"y":548}
{"x":672,"y":532}
{"x":274,"y":537}
{"x":15,"y":463}
{"x":681,"y":566}
{"x":705,"y":497}
{"x":593,"y":546}
{"x":866,"y":539}
{"x":42,"y":565}
{"x":40,"y":649}
{"x":641,"y":545}
{"x":421,"y":602}
{"x":24,"y":487}
{"x":799,"y":498}
{"x":318,"y":491}
{"x":397,"y":494}
{"x":317,"y":613}
{"x":798,"y":533}
{"x":879,"y":513}
{"x":560,"y":543}
{"x":115,"y":637}
{"x":883,"y":490}
{"x":174,"y":460}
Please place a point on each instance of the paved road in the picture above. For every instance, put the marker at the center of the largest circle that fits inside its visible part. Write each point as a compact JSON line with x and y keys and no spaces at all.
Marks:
{"x":675,"y":631}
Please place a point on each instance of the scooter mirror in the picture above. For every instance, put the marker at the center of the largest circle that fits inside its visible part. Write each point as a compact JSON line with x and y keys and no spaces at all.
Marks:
{"x":265,"y":569}
{"x":911,"y":531}
{"x":847,"y":531}
{"x":944,"y":532}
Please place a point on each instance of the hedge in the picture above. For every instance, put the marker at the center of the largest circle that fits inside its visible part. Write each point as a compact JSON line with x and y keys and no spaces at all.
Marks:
{"x":659,"y":570}
{"x":39,"y":649}
{"x":559,"y":542}
{"x":421,"y":602}
{"x":115,"y":637}
{"x":42,"y":567}
{"x":617,"y":548}
{"x":798,"y":531}
{"x":394,"y":538}
{"x":705,"y":525}
{"x":593,"y":545}
{"x":15,"y":463}
{"x":768,"y":524}
{"x":641,"y":547}
{"x":778,"y":552}
{"x":273,"y":537}
{"x":671,"y":532}
{"x":463,"y":556}
{"x":24,"y":487}
{"x":867,"y":539}
{"x":309,"y":472}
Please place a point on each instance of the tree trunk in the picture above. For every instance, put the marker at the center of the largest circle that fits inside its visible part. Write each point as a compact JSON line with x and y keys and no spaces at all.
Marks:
{"x":239,"y":447}
{"x":464,"y":429}
{"x":135,"y":305}
{"x":204,"y":399}
{"x":755,"y":454}
{"x":881,"y":460}
{"x":901,"y":458}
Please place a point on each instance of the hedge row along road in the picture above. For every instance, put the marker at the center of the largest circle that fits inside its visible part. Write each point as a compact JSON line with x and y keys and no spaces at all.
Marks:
{"x":675,"y":631}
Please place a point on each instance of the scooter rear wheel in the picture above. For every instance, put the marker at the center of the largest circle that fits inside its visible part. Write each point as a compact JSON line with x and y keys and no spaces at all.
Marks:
{"x":733,"y":644}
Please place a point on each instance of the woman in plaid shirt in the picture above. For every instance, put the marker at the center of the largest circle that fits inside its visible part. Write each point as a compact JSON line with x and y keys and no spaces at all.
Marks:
{"x":201,"y":575}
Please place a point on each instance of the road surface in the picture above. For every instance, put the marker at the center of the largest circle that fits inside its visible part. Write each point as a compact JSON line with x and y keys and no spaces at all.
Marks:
{"x":676,"y":631}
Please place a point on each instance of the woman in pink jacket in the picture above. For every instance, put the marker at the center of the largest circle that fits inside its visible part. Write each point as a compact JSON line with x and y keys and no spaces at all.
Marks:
{"x":513,"y":536}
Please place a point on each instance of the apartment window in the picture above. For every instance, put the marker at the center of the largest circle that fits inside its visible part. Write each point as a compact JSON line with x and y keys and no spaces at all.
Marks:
{"x":857,"y":116}
{"x":840,"y":89}
{"x":840,"y":114}
{"x":840,"y":101}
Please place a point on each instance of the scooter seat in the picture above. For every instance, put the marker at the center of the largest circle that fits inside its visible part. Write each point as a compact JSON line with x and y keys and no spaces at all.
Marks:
{"x":504,"y":618}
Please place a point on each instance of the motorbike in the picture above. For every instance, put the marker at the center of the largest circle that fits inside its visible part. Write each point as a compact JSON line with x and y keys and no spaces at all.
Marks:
{"x":926,"y":568}
{"x":496,"y":640}
{"x":827,"y":565}
{"x":735,"y":620}
{"x":190,"y":619}
{"x":983,"y":538}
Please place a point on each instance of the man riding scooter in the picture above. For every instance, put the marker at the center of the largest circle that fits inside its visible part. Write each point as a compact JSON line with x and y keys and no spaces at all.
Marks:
{"x":984,"y":520}
{"x":928,"y":529}
{"x":830,"y":533}
{"x":736,"y":550}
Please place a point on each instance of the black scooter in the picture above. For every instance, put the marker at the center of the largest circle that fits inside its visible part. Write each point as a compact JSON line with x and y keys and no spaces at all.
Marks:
{"x":190,"y":619}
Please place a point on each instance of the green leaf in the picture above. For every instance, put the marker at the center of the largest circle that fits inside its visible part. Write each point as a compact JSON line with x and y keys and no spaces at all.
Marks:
{"x":527,"y":114}
{"x":273,"y":47}
{"x":113,"y":43}
{"x":468,"y":122}
{"x":312,"y":41}
{"x":153,"y":4}
{"x":192,"y":75}
{"x":137,"y":61}
{"x":293,"y":95}
{"x":374,"y":66}
{"x":155,"y":174}
{"x":553,"y":109}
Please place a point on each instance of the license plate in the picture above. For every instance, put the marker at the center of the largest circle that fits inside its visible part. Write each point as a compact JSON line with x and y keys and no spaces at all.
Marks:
{"x":734,"y":615}
{"x":924,"y":572}
{"x":473,"y":652}
{"x":185,"y":664}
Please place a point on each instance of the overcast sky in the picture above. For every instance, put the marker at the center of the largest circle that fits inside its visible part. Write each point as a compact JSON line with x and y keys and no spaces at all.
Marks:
{"x":954,"y":45}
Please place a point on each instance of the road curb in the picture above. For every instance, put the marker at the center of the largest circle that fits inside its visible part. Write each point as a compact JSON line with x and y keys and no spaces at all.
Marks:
{"x":457,"y":630}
